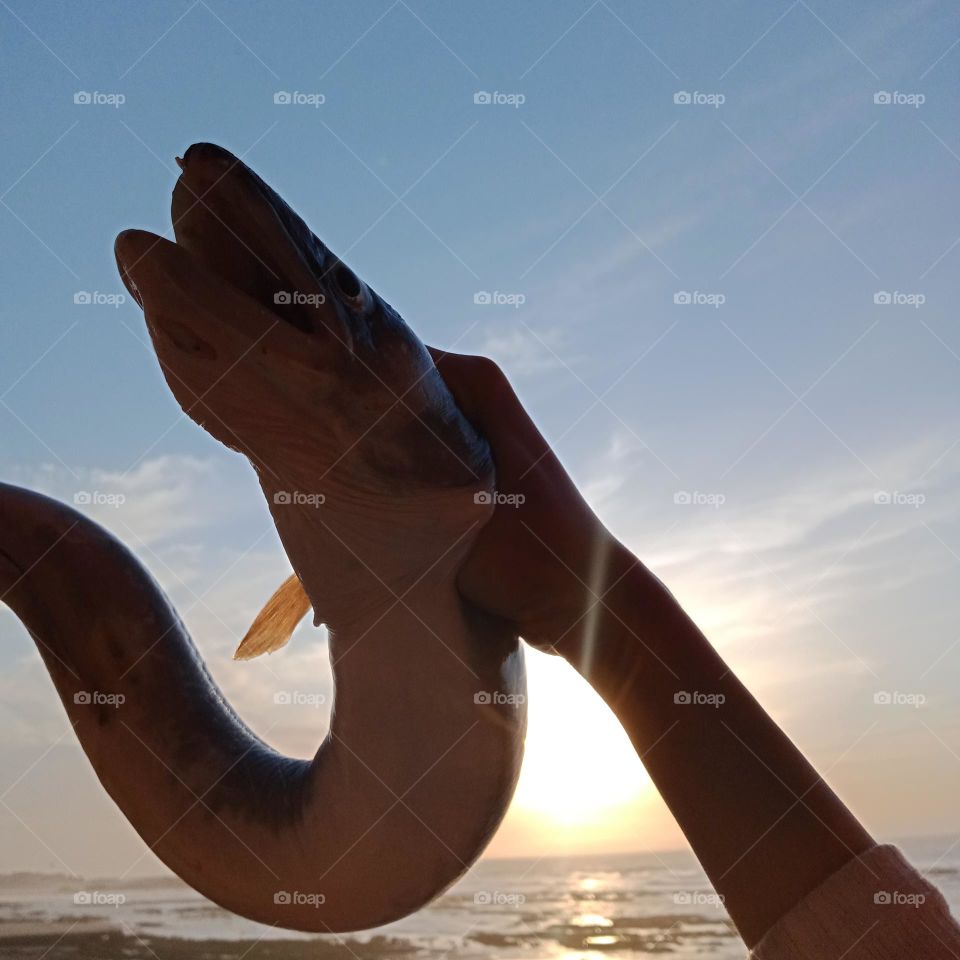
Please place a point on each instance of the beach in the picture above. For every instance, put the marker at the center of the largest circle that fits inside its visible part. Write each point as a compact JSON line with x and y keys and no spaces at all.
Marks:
{"x":576,"y":907}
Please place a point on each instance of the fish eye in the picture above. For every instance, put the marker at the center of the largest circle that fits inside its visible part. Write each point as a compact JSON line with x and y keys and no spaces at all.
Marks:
{"x":350,"y":289}
{"x":347,"y":282}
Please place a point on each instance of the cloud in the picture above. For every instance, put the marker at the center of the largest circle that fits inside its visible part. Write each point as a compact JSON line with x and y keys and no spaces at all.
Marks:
{"x":778,"y":575}
{"x":607,"y":474}
{"x":157,"y":502}
{"x":181,"y":516}
{"x":524,"y":351}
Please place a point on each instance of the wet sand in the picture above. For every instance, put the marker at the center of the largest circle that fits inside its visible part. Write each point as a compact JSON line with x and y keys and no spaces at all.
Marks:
{"x":81,"y":942}
{"x":99,"y":941}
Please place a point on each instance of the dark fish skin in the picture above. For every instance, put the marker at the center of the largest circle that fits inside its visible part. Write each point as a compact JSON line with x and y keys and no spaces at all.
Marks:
{"x":331,"y":394}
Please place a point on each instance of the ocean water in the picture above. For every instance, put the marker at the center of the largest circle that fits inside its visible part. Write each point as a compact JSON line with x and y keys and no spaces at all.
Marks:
{"x":578,"y":907}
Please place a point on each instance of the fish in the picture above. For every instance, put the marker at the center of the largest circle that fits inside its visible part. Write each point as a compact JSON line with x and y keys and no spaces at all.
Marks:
{"x":378,"y":487}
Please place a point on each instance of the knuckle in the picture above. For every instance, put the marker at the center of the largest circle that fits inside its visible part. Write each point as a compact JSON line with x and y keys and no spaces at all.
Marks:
{"x":491,"y":377}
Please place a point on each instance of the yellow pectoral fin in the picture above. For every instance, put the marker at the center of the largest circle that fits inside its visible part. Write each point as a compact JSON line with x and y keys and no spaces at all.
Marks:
{"x":276,"y":622}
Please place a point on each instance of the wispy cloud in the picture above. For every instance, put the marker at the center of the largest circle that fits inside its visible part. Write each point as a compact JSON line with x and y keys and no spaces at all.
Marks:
{"x":168,"y":511}
{"x":159,"y":502}
{"x":773,"y":574}
{"x":525,"y":351}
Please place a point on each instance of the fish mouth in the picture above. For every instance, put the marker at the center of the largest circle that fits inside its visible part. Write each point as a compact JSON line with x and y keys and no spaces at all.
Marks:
{"x":226,"y":217}
{"x":260,"y":330}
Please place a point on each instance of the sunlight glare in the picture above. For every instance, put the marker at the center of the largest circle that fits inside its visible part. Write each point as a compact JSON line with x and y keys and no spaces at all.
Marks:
{"x":579,"y":764}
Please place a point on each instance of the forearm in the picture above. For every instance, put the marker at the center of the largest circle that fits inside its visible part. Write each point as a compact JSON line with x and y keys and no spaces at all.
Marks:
{"x":766,"y":828}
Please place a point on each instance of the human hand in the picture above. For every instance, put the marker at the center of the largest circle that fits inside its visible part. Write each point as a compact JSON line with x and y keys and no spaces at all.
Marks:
{"x":544,"y":559}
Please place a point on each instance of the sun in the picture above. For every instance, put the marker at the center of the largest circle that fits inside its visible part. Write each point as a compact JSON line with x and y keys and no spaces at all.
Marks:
{"x":579,"y":766}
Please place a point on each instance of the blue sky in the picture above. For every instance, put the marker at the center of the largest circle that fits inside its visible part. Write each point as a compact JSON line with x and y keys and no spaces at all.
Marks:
{"x":784,"y":400}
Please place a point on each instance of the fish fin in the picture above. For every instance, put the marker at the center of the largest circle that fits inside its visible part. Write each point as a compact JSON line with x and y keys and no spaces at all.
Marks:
{"x":276,"y":622}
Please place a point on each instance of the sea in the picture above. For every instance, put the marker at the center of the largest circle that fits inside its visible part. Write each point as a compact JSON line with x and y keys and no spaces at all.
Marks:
{"x":536,"y":909}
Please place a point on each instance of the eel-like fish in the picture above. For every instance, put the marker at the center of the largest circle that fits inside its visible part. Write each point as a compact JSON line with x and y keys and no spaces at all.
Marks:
{"x":378,"y":487}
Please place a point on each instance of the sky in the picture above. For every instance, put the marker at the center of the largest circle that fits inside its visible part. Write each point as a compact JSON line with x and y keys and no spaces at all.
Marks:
{"x":712,"y":244}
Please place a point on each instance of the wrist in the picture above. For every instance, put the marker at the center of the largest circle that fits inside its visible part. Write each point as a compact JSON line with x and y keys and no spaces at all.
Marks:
{"x":631,"y":639}
{"x":597,"y":616}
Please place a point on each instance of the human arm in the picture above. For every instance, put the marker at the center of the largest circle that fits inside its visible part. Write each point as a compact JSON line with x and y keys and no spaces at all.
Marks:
{"x":766,"y":827}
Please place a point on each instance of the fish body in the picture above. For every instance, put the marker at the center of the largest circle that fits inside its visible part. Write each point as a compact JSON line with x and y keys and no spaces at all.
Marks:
{"x":378,"y":487}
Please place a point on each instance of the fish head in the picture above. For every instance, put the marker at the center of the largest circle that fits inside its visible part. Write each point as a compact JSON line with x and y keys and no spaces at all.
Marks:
{"x":277,"y":348}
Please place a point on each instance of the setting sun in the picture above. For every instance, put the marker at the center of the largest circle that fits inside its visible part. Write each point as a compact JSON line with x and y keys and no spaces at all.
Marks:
{"x":580,"y":768}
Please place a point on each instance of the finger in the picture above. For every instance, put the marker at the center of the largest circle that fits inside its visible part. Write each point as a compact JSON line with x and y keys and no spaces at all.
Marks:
{"x":484,"y":394}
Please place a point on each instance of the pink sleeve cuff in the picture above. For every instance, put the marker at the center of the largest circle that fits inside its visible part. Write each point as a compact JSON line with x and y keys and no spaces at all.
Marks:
{"x":876,"y":907}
